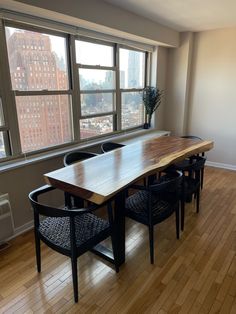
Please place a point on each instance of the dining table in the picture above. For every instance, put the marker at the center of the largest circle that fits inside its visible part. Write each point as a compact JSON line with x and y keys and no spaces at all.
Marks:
{"x":107,"y":176}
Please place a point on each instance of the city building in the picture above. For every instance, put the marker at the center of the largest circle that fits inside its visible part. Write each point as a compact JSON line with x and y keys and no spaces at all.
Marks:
{"x":43,"y":121}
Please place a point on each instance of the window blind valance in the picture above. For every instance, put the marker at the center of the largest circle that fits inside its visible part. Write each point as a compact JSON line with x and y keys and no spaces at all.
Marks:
{"x":71,"y":29}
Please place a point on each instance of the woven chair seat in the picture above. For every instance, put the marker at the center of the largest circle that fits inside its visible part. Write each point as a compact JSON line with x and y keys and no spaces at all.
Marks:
{"x":57,"y":229}
{"x":137,"y":205}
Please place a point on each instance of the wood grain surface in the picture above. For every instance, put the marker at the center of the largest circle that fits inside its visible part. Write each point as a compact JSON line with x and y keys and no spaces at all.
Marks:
{"x":98,"y":179}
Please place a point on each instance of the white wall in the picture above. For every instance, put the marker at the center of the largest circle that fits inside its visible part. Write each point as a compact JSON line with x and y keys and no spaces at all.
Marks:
{"x":19,"y":182}
{"x":213,"y":93}
{"x":159,"y":69}
{"x":201,"y":91}
{"x":177,"y":86}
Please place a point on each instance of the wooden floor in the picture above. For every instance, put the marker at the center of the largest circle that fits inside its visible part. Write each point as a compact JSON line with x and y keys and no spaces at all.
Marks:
{"x":196,"y":274}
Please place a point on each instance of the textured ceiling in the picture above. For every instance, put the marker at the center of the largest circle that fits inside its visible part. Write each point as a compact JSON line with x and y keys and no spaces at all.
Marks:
{"x":184,"y":15}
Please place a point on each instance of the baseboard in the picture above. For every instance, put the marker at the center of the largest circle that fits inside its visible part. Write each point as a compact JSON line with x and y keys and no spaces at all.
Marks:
{"x":220,"y":165}
{"x":17,"y":231}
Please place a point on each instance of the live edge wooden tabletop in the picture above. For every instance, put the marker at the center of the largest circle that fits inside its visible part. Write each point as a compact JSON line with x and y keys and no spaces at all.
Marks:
{"x":99,"y":178}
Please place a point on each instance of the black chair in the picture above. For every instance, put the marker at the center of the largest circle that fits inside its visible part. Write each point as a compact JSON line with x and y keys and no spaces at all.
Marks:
{"x":75,"y":156}
{"x":191,"y":170}
{"x":109,"y":146}
{"x":155,"y":203}
{"x":69,"y":232}
{"x":193,"y":137}
{"x":69,"y":159}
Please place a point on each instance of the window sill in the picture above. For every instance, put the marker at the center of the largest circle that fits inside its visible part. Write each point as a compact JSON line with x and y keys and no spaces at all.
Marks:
{"x":126,"y":138}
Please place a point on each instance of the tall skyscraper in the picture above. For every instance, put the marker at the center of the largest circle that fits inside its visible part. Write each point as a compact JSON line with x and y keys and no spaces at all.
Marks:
{"x":134,"y":59}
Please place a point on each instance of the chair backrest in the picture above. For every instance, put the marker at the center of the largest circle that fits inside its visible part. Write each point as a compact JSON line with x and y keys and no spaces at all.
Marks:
{"x":193,"y":137}
{"x":43,"y":209}
{"x":196,"y":163}
{"x":50,"y":211}
{"x":169,"y":182}
{"x":109,"y":146}
{"x":76,"y":156}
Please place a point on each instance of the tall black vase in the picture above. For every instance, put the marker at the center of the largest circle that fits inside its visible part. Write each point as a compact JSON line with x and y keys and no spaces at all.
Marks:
{"x":147,"y":124}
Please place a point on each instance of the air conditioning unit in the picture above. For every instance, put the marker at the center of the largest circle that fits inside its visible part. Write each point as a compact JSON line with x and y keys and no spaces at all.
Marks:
{"x":6,"y":220}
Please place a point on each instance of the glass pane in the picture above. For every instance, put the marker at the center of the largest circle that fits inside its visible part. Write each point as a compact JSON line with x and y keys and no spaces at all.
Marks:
{"x":94,"y":54}
{"x":2,"y":146}
{"x":1,"y":114}
{"x":96,"y":126}
{"x":97,"y":103}
{"x":44,"y":121}
{"x":132,"y":68}
{"x":92,"y":79}
{"x":37,"y":61}
{"x":132,"y":111}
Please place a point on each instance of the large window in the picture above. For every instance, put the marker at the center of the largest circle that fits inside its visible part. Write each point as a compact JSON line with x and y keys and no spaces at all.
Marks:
{"x":97,"y":82}
{"x":39,"y":77}
{"x":63,"y":89}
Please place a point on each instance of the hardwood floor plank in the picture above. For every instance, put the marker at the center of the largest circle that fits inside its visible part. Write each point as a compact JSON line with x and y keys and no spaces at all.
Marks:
{"x":227,"y":305}
{"x":224,"y":287}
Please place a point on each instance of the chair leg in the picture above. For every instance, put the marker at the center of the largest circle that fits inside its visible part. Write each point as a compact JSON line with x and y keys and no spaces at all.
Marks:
{"x":151,"y":179}
{"x":151,"y":244}
{"x":202,"y":177}
{"x":182,"y":214}
{"x":198,"y":199}
{"x":177,"y":221}
{"x":38,"y":252}
{"x":74,"y":277}
{"x":68,"y":200}
{"x":78,"y":202}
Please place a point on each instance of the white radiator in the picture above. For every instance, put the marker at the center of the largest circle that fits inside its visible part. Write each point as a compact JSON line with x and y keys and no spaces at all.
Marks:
{"x":6,"y":221}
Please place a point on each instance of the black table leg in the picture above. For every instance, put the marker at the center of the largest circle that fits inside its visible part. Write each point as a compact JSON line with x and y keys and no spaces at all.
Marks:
{"x":119,"y":233}
{"x":119,"y":226}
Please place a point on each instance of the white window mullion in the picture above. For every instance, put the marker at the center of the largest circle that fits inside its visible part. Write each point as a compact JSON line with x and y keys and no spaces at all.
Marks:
{"x":118,"y":92}
{"x":76,"y":112}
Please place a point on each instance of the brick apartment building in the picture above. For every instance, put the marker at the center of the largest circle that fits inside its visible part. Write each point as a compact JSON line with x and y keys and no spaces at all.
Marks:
{"x":44,"y":120}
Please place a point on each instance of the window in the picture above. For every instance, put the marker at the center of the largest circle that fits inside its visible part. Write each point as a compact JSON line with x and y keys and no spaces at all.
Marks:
{"x":53,"y":75}
{"x":51,"y":94}
{"x":97,"y":81}
{"x":132,"y":81}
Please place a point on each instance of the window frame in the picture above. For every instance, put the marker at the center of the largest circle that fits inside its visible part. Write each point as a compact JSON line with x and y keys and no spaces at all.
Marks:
{"x":42,"y":92}
{"x":126,"y":90}
{"x":77,"y":67}
{"x":4,"y":129}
